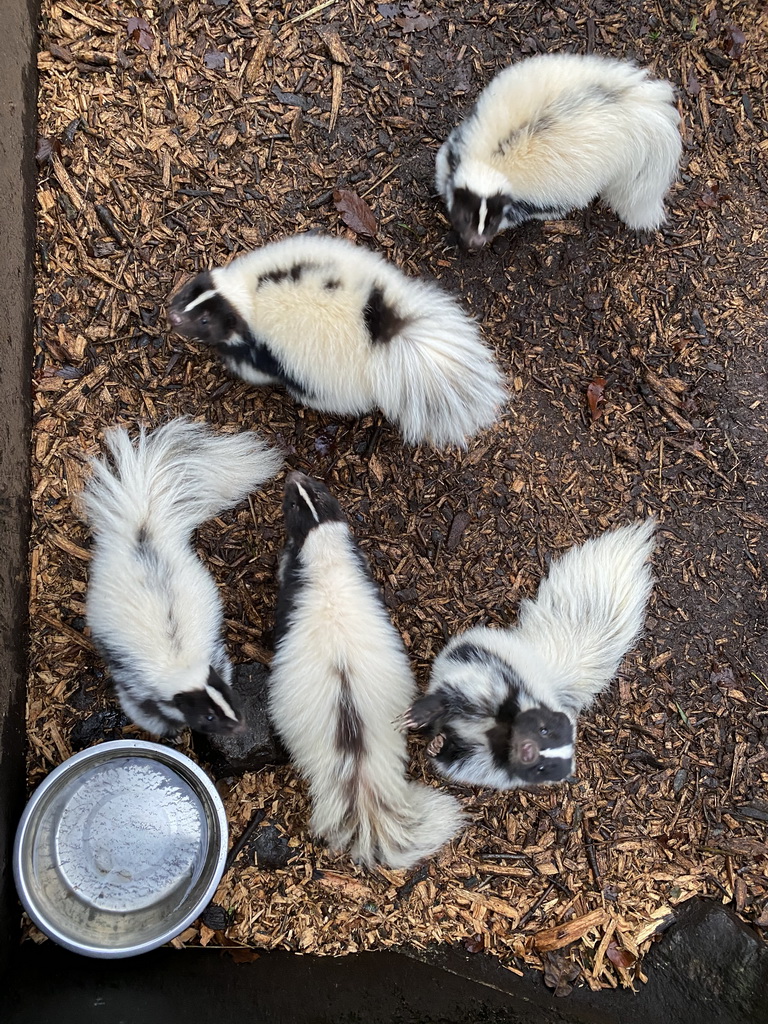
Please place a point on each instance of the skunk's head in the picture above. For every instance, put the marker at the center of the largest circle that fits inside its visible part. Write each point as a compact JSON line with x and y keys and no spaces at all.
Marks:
{"x":211,"y":708}
{"x":199,"y":310}
{"x":307,"y":503}
{"x":541,"y":746}
{"x":477,"y":219}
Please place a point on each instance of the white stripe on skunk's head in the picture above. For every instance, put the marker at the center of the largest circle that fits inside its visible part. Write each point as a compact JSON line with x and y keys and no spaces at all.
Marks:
{"x":541,"y":746}
{"x":479,"y":204}
{"x":210,"y":708}
{"x":307,"y":503}
{"x":199,"y":310}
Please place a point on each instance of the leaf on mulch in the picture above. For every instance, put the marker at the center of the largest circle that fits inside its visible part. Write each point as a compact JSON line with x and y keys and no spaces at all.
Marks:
{"x":559,"y":973}
{"x":711,"y":196}
{"x":414,"y":21}
{"x":460,"y":522}
{"x":596,"y":397}
{"x":734,"y":42}
{"x":692,"y":86}
{"x":355,"y":212}
{"x":46,"y":148}
{"x":140,"y":31}
{"x":62,"y":53}
{"x":619,"y":957}
{"x":473,"y":943}
{"x":215,"y":60}
{"x":388,"y":11}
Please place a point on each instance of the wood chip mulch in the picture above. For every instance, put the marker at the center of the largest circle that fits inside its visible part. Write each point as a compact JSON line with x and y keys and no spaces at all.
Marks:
{"x":175,"y":140}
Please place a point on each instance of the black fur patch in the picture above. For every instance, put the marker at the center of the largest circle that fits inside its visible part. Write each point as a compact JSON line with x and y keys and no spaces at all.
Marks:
{"x":518,"y":211}
{"x":151,"y":560}
{"x":572,"y":103}
{"x":350,"y":737}
{"x":293,"y":273}
{"x":152,"y":707}
{"x":498,"y":743}
{"x":217,"y":683}
{"x":454,"y":749}
{"x":382,"y":321}
{"x":459,"y":705}
{"x":467,"y":653}
{"x":331,"y":284}
{"x":428,"y":713}
{"x":193,"y":289}
{"x":300,"y":518}
{"x":118,"y":663}
{"x":452,"y":156}
{"x":202,"y":714}
{"x":291,"y":582}
{"x":510,"y":708}
{"x":247,"y":348}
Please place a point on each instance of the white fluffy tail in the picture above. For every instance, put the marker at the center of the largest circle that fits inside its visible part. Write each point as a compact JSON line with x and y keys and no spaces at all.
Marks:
{"x":436,"y":378}
{"x":637,"y":195}
{"x":171,"y":480}
{"x":396,"y":824}
{"x":589,"y":611}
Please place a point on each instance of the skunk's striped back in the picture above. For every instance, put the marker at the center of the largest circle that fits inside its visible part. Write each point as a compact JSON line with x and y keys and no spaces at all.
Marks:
{"x":339,"y":679}
{"x":347,"y":332}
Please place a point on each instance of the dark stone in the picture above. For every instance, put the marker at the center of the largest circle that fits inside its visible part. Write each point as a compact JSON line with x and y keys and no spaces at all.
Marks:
{"x":709,"y":966}
{"x":257,"y":746}
{"x":216,"y":917}
{"x":106,"y":724}
{"x":268,"y":849}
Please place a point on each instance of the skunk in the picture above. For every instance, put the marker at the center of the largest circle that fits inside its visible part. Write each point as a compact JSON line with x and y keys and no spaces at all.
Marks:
{"x":502,"y":704}
{"x":153,"y":609}
{"x":549,"y":134}
{"x":346,"y":332}
{"x":339,"y":679}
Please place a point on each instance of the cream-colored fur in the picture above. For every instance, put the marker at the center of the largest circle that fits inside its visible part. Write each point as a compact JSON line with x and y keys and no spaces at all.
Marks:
{"x":567,"y":645}
{"x":557,"y":130}
{"x":152,"y":607}
{"x":435,"y":378}
{"x":341,"y":646}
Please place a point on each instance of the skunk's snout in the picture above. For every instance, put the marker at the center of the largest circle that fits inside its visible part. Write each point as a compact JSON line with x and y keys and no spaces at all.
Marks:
{"x":529,"y":752}
{"x":296,"y":477}
{"x":473,"y":241}
{"x":175,"y":317}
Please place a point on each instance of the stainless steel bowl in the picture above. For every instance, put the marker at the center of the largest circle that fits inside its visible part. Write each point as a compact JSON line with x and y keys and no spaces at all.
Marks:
{"x":120,"y":848}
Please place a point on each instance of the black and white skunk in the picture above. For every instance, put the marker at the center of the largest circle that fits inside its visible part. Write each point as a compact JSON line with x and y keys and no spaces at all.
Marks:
{"x":153,"y":609}
{"x":551,"y":133}
{"x":339,"y":679}
{"x":346,"y":332}
{"x":502,"y":704}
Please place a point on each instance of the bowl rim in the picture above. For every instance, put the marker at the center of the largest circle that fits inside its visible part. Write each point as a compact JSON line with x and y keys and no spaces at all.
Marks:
{"x":114,"y":748}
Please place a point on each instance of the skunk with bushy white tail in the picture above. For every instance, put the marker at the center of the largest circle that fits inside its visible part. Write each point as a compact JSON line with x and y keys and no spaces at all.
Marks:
{"x":153,"y":609}
{"x":346,"y":332}
{"x":502,"y":704}
{"x":339,"y":679}
{"x":551,"y":133}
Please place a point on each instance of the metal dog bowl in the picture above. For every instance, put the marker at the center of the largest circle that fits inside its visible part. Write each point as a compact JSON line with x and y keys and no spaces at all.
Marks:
{"x":120,"y":848}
